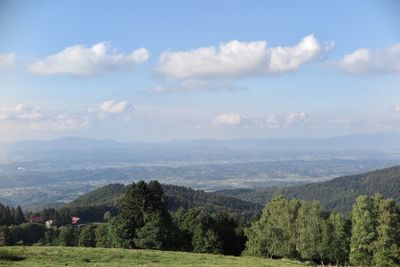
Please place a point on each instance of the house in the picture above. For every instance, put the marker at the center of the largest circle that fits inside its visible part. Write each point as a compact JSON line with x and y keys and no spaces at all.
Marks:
{"x":49,"y":224}
{"x":75,"y":220}
{"x":36,"y":219}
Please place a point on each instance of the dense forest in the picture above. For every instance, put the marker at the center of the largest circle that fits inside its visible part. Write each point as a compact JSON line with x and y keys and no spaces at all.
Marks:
{"x":175,"y":196}
{"x":286,"y":228}
{"x":337,"y":194}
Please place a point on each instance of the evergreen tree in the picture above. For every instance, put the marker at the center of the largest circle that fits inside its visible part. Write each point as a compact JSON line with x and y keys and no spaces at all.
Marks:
{"x":19,"y":216}
{"x":5,"y":215}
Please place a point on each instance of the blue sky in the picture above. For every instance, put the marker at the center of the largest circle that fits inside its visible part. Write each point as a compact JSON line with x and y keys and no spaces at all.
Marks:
{"x":162,"y":70}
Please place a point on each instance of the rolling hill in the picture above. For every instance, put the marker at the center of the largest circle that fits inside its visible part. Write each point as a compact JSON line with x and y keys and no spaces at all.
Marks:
{"x":338,"y":194}
{"x":177,"y":196}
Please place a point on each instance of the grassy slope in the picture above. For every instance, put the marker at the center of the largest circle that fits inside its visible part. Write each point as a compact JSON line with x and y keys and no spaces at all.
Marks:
{"x":73,"y":256}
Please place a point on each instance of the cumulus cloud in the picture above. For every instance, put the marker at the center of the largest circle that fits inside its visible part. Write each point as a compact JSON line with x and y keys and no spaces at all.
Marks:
{"x":366,"y":61}
{"x":82,"y":60}
{"x":7,"y":60}
{"x":195,"y":85}
{"x":296,"y":117}
{"x":229,"y":119}
{"x":237,"y":58}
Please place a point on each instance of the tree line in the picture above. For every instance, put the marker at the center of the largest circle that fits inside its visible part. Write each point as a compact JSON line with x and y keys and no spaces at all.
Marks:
{"x":294,"y":229}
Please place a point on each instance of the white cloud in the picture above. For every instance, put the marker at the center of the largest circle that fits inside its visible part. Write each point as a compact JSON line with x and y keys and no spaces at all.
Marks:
{"x":115,"y":107}
{"x":7,"y":60}
{"x":395,"y":109}
{"x":366,"y":61}
{"x":195,"y":85}
{"x":272,"y":121}
{"x":296,"y":117}
{"x":82,"y":60}
{"x":22,"y":117}
{"x":229,"y":119}
{"x":237,"y":58}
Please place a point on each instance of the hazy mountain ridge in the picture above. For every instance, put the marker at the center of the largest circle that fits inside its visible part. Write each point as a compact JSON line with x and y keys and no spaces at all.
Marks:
{"x":338,"y":193}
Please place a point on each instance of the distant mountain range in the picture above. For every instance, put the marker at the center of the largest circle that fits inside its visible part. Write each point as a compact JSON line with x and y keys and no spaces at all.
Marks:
{"x":357,"y":141}
{"x":337,"y":194}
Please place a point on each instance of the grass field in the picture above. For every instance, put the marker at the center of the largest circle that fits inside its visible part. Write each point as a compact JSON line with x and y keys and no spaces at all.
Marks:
{"x":74,"y":256}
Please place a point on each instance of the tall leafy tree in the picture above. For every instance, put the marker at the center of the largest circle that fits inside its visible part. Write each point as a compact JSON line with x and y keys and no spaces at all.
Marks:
{"x":309,"y":230}
{"x":275,"y":233}
{"x":335,"y":240}
{"x":387,"y":244}
{"x":363,"y":231}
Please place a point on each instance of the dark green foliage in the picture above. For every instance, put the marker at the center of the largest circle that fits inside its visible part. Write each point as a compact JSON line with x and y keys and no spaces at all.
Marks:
{"x":102,"y":235}
{"x":363,"y":231}
{"x":375,"y":235}
{"x":387,"y":244}
{"x":50,"y":237}
{"x":335,"y":241}
{"x":299,"y":230}
{"x":17,"y":234}
{"x":155,"y":234}
{"x":66,"y":236}
{"x":33,"y":232}
{"x":176,"y":197}
{"x":105,"y":195}
{"x":201,"y":232}
{"x":5,"y":215}
{"x":19,"y":216}
{"x":338,"y":194}
{"x":144,"y":219}
{"x":87,"y":236}
{"x":6,"y":255}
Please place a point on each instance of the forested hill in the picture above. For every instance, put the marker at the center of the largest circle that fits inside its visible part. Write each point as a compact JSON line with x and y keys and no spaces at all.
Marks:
{"x":338,"y":194}
{"x":177,"y":196}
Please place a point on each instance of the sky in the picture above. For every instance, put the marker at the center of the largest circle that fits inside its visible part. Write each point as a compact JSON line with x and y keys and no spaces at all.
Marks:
{"x":165,"y":70}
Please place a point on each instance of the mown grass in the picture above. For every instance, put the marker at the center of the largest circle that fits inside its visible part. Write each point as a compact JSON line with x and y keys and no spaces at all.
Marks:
{"x":74,"y":256}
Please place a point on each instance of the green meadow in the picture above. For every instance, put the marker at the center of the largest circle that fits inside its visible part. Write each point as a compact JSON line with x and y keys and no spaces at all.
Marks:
{"x":76,"y":256}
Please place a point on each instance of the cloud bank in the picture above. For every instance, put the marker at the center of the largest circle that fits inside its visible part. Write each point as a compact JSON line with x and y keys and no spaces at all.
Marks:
{"x":82,"y":60}
{"x":366,"y":61}
{"x":235,"y":59}
{"x":272,"y":121}
{"x":22,"y":116}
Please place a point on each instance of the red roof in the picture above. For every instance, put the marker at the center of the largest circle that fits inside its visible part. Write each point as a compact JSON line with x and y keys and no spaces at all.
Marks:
{"x":36,"y":219}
